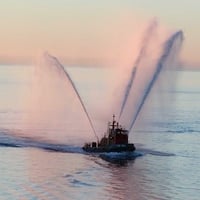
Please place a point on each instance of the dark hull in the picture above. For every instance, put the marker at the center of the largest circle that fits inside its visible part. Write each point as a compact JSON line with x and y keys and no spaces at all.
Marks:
{"x":111,"y":148}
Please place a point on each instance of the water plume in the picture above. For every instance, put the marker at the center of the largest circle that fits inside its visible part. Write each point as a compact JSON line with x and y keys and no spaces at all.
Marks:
{"x":54,"y":111}
{"x":145,"y":42}
{"x":170,"y":49}
{"x":58,"y":64}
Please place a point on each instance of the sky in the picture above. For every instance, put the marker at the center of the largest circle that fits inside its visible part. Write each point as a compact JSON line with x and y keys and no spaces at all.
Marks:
{"x":90,"y":31}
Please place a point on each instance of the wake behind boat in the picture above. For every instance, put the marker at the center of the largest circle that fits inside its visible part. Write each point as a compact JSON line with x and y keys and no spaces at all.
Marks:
{"x":114,"y":140}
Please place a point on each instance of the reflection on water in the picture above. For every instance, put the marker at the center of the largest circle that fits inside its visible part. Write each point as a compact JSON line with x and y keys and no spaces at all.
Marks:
{"x":31,"y":173}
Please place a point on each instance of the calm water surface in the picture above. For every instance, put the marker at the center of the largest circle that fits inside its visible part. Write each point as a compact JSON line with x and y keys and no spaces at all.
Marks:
{"x":168,"y":167}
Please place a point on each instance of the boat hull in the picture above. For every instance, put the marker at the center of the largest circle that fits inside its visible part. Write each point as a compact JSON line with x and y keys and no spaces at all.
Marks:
{"x":111,"y":148}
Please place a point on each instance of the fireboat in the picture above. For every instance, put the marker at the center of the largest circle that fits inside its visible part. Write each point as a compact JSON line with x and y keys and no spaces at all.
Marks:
{"x":114,"y":140}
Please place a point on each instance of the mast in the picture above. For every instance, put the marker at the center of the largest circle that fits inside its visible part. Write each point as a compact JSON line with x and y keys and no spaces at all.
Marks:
{"x":113,"y":124}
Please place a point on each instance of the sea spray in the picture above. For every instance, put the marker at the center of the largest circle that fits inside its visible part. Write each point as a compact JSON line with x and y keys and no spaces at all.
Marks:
{"x":145,"y":42}
{"x":167,"y":52}
{"x":55,"y":61}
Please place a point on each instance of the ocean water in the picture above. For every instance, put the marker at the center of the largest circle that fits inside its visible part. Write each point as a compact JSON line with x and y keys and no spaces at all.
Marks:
{"x":164,"y":166}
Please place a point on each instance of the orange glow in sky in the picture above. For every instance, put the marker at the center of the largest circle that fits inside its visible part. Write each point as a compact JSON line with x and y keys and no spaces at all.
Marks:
{"x":87,"y":33}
